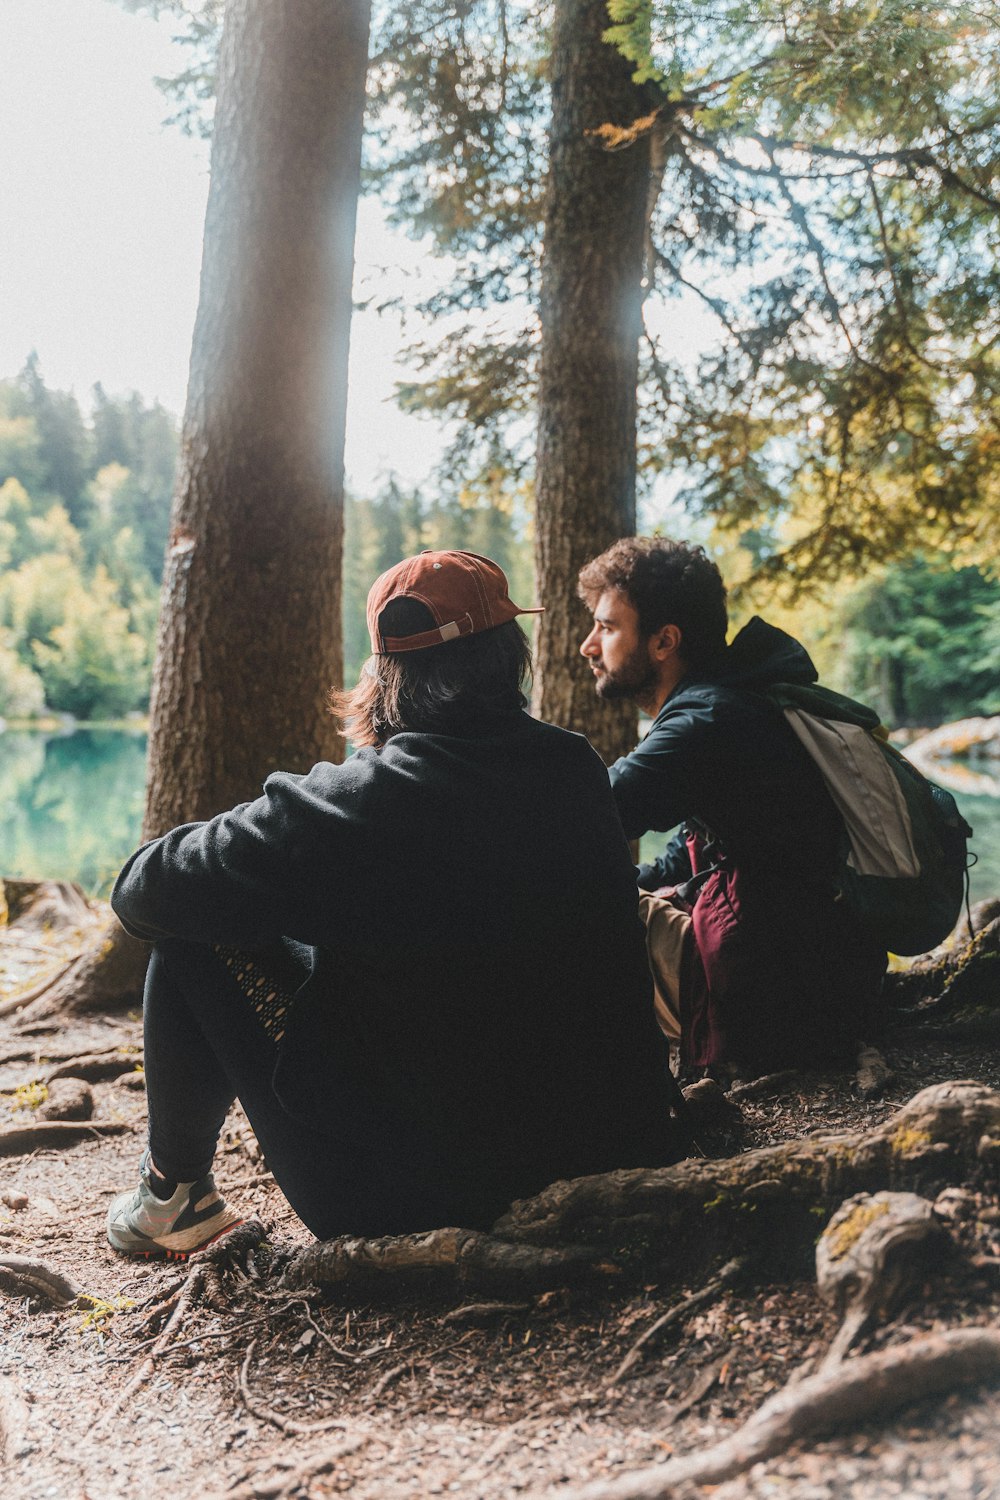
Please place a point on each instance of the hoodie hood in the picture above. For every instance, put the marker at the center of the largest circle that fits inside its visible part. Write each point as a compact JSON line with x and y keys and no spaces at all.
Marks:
{"x":761,"y":655}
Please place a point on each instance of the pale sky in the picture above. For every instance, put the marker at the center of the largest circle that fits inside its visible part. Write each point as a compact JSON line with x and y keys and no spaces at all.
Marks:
{"x":101,"y":213}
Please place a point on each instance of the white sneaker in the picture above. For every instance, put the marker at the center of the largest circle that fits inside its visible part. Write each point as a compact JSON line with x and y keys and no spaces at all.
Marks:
{"x":141,"y":1224}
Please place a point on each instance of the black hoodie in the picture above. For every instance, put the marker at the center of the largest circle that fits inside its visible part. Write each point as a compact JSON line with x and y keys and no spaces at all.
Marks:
{"x":477,"y":967}
{"x":719,"y":754}
{"x":720,"y":759}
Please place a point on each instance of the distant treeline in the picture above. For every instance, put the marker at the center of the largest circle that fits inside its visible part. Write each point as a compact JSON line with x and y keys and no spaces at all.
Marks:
{"x":84,"y":515}
{"x":84,"y":510}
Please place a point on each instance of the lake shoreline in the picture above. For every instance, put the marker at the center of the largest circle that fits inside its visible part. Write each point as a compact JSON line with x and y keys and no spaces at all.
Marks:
{"x":71,"y":805}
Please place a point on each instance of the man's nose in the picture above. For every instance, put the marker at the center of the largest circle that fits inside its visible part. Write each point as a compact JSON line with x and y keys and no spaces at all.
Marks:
{"x":589,"y":643}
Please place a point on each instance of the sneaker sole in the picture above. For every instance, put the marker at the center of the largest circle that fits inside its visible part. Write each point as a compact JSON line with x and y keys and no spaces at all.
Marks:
{"x":160,"y":1252}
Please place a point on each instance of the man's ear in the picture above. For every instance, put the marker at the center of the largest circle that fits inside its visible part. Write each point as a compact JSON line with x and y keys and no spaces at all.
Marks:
{"x":666,"y":642}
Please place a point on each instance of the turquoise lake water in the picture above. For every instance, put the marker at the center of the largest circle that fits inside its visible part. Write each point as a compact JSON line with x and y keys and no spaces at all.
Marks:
{"x":71,"y":808}
{"x":70,"y":804}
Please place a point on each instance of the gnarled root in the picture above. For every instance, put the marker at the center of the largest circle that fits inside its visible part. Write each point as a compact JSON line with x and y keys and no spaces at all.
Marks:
{"x":96,"y":1067}
{"x":681,"y":1218}
{"x":21,"y":1139}
{"x":834,"y":1399}
{"x":44,"y":905}
{"x":965,"y":975}
{"x":867,"y":1258}
{"x":649,"y":1340}
{"x":107,"y":976}
{"x":447,"y":1258}
{"x":768,"y":1200}
{"x":21,"y":1277}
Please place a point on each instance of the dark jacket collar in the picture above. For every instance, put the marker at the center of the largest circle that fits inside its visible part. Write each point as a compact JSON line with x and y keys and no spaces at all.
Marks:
{"x":757,"y":657}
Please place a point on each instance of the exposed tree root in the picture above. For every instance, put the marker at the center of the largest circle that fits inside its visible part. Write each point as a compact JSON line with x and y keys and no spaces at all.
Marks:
{"x":21,"y":1002}
{"x":45,"y":905}
{"x":444,"y":1257}
{"x":96,"y":1067}
{"x":203,"y":1267}
{"x":770,"y":1083}
{"x":648,"y":1341}
{"x":967,"y":974}
{"x":684,"y":1217}
{"x":265,"y":1414}
{"x":52,"y":1057}
{"x":983,"y":913}
{"x":478,"y":1313}
{"x":385,"y":1381}
{"x":156,"y":1307}
{"x":107,"y":976}
{"x":766,"y":1200}
{"x":21,"y":1277}
{"x":849,"y":1394}
{"x":22,"y":1139}
{"x":867,"y":1258}
{"x":187,"y":1296}
{"x":234,"y":1248}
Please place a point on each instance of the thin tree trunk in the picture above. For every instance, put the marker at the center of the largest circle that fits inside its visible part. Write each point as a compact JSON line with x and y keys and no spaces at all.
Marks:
{"x":591,"y":301}
{"x":250,"y":637}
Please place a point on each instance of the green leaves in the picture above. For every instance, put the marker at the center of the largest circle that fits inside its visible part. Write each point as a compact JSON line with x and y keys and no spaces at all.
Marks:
{"x":828,"y":193}
{"x":834,"y":201}
{"x":78,"y":594}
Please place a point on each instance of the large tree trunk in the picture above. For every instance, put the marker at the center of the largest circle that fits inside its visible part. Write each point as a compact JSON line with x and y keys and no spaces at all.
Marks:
{"x":591,"y":302}
{"x":250,"y":637}
{"x":250,"y":633}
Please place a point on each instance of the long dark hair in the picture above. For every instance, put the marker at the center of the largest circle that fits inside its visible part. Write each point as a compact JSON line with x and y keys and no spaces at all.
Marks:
{"x":445,"y":689}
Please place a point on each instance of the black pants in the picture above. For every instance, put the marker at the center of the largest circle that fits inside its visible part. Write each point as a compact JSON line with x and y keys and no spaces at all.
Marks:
{"x":205,"y":1047}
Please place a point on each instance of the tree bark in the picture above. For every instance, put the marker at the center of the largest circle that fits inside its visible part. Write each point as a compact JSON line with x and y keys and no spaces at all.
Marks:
{"x":772,"y":1201}
{"x":846,"y":1396}
{"x":250,"y":633}
{"x":250,"y":637}
{"x":591,"y":305}
{"x":965,"y":978}
{"x":766,"y":1207}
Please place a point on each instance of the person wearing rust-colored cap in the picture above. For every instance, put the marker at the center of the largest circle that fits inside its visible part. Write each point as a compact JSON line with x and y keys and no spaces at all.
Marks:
{"x":422,"y":972}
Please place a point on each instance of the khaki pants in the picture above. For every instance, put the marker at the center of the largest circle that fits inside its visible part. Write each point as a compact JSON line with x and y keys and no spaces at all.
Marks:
{"x":668,"y":944}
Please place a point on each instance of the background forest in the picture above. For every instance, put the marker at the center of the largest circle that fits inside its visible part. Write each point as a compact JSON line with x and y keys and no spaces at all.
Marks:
{"x":817,"y":180}
{"x":84,"y":513}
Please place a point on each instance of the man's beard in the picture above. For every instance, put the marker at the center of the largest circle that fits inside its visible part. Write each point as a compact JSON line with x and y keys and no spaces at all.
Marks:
{"x":634,"y":679}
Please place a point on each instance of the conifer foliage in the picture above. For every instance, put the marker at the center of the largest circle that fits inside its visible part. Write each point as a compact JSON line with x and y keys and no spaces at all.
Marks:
{"x":84,"y":506}
{"x":826,"y":178}
{"x":826,"y":185}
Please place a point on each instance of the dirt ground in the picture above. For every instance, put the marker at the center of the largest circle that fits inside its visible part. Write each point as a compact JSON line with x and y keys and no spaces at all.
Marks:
{"x":258,"y":1388}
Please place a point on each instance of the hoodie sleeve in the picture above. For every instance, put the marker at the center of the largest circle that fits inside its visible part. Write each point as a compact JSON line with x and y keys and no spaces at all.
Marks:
{"x":672,"y":866}
{"x":657,"y":785}
{"x":236,"y":879}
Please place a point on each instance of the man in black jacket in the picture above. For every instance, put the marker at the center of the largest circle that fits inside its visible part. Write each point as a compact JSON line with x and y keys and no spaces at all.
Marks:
{"x":422,"y":971}
{"x":757,"y":964}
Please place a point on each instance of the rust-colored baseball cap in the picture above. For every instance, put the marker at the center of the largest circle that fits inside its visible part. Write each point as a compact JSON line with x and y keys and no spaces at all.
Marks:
{"x":464,"y":592}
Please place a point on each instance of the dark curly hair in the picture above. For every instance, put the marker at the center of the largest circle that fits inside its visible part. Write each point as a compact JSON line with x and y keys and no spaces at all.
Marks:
{"x":667,"y":583}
